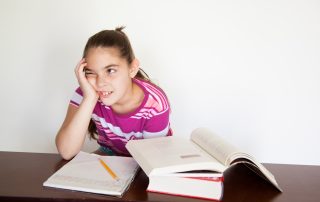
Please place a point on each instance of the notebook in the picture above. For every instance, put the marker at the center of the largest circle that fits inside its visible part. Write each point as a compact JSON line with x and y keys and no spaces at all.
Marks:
{"x":89,"y":173}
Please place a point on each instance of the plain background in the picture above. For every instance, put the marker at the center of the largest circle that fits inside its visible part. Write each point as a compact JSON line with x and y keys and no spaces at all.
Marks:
{"x":248,"y":70}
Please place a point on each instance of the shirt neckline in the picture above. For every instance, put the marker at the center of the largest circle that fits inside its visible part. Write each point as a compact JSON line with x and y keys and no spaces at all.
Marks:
{"x":128,"y":115}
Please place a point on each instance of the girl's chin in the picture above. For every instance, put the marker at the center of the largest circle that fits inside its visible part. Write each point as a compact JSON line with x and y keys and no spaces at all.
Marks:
{"x":106,"y":102}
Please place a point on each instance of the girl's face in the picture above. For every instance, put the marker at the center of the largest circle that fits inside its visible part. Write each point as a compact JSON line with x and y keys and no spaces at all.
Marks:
{"x":110,"y":75}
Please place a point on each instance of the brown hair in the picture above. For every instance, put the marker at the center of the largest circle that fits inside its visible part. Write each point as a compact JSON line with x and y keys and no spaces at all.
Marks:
{"x":112,"y":39}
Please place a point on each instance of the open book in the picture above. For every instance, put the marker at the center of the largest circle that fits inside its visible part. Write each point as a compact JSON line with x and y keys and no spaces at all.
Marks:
{"x":85,"y":172}
{"x":204,"y":151}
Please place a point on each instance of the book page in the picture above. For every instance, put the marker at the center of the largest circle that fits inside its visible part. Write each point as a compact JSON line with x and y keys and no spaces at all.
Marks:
{"x":229,"y":154}
{"x":85,"y":173}
{"x":255,"y":166}
{"x":158,"y":156}
{"x":214,"y":145}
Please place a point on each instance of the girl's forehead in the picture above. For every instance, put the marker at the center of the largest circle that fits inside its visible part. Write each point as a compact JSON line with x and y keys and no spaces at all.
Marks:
{"x":99,"y":58}
{"x":104,"y":56}
{"x":111,"y":51}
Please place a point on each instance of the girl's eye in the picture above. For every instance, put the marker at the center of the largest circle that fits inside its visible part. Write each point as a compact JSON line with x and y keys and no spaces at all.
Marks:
{"x":111,"y":71}
{"x":87,"y":73}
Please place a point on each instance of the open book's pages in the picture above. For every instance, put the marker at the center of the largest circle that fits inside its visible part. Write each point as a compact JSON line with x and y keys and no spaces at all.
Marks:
{"x":203,"y":151}
{"x":86,"y":173}
{"x":193,"y":174}
{"x":204,"y":188}
{"x":214,"y":145}
{"x":158,"y":156}
{"x":228,"y":154}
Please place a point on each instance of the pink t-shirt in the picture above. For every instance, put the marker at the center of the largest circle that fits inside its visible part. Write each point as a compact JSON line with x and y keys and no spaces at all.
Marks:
{"x":149,"y":120}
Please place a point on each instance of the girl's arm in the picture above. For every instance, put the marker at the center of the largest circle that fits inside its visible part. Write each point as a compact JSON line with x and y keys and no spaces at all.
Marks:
{"x":72,"y":133}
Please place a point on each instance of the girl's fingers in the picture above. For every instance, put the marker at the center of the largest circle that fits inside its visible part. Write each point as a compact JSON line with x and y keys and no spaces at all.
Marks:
{"x":85,"y":86}
{"x":81,"y":64}
{"x":79,"y":70}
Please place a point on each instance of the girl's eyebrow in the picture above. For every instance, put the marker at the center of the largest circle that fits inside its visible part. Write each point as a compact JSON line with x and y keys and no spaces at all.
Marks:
{"x":106,"y":67}
{"x":111,"y":65}
{"x":87,"y":69}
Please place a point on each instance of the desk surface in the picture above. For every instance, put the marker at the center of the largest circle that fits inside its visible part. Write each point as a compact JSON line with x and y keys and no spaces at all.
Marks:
{"x":22,"y":175}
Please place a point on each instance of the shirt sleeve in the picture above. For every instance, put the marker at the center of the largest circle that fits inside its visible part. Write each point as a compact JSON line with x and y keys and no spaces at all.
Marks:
{"x":158,"y":126}
{"x":77,"y":97}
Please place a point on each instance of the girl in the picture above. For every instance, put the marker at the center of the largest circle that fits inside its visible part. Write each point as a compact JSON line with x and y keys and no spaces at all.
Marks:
{"x":115,"y":100}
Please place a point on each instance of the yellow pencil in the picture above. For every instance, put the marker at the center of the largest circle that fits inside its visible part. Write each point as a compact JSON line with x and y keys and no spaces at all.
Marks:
{"x":113,"y":175}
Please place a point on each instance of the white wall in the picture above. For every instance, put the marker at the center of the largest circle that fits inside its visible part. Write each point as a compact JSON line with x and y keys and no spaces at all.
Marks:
{"x":249,"y":70}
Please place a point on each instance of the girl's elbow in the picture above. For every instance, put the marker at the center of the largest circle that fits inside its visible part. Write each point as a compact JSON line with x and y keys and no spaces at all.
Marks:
{"x":66,"y":155}
{"x":65,"y":152}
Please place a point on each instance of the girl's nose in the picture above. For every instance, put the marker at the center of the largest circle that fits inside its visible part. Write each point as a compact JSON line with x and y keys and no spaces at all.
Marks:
{"x":101,"y":81}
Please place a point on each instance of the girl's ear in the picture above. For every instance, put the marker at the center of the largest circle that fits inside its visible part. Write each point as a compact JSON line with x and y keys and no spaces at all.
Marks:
{"x":134,"y":68}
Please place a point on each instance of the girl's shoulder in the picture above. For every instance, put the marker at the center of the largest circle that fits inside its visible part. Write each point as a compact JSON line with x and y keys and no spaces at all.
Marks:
{"x":150,"y":87}
{"x":155,"y":96}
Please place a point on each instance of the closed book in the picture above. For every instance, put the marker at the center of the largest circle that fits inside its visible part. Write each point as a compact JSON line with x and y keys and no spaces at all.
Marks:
{"x":196,"y":187}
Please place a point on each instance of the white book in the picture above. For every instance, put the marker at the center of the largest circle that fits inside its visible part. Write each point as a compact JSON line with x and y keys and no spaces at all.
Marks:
{"x":203,"y":151}
{"x":86,"y":173}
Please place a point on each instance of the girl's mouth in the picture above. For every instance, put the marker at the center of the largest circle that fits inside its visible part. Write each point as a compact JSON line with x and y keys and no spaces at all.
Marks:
{"x":104,"y":94}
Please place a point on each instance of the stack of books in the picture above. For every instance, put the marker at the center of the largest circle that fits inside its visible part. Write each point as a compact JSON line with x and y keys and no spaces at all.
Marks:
{"x":191,"y":167}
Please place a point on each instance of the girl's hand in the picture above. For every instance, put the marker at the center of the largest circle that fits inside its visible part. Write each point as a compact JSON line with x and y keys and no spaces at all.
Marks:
{"x":87,"y":89}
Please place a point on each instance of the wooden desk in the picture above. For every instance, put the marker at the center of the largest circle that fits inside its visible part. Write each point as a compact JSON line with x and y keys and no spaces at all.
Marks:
{"x":22,"y":175}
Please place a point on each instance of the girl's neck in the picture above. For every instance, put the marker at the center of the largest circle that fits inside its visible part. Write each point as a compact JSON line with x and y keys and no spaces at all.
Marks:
{"x":132,"y":101}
